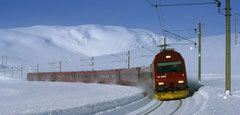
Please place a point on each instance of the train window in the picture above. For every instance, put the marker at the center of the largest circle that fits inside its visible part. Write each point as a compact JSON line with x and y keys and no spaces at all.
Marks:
{"x":165,"y":67}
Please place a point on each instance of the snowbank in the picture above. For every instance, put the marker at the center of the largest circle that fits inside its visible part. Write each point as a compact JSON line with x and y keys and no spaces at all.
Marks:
{"x":211,"y":99}
{"x":20,"y":97}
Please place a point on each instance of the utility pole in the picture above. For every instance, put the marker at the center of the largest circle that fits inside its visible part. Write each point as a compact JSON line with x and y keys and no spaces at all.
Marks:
{"x":92,"y":63}
{"x":165,"y":41}
{"x":236,"y":32}
{"x":6,"y":61}
{"x":199,"y":51}
{"x":129,"y":59}
{"x":60,"y":65}
{"x":21,"y":71}
{"x":228,"y":49}
{"x":12,"y":71}
{"x":37,"y":68}
{"x":2,"y":61}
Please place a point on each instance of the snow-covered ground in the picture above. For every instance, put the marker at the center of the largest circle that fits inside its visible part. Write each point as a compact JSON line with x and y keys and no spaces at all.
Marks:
{"x":23,"y":97}
{"x":210,"y":99}
{"x":75,"y":45}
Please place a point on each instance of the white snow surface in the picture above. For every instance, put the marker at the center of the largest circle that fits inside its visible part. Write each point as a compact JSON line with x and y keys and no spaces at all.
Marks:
{"x":23,"y":97}
{"x":89,"y":40}
{"x":44,"y":44}
{"x":211,"y":98}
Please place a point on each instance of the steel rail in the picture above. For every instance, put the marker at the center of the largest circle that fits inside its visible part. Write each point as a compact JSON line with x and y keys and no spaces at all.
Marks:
{"x":154,"y":108}
{"x":180,"y":104}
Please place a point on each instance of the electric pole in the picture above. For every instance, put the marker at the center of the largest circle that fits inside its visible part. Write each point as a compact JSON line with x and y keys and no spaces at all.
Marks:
{"x":60,"y":65}
{"x":2,"y":61}
{"x":21,"y":71}
{"x":6,"y":61}
{"x":128,"y":53}
{"x":37,"y":68}
{"x":199,"y":51}
{"x":236,"y":33}
{"x":165,"y":41}
{"x":12,"y":71}
{"x":228,"y":49}
{"x":92,"y":63}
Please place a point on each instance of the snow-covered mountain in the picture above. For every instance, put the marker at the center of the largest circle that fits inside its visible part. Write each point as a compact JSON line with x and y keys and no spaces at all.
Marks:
{"x":75,"y":45}
{"x":42,"y":45}
{"x":89,"y":40}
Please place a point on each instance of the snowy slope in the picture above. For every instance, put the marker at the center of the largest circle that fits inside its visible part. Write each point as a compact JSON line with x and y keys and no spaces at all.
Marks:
{"x":211,"y":99}
{"x":29,"y":46}
{"x":89,"y":40}
{"x":22,"y":97}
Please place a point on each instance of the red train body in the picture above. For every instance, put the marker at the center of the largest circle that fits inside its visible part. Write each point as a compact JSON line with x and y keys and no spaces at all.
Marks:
{"x":169,"y":75}
{"x":130,"y":76}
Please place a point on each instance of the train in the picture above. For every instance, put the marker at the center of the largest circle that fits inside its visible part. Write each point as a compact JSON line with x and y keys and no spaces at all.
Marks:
{"x":164,"y":79}
{"x":123,"y":76}
{"x":169,"y":75}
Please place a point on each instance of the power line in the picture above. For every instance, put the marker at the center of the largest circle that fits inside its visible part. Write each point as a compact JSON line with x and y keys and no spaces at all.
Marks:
{"x":162,"y":14}
{"x":184,"y":4}
{"x":177,"y":44}
{"x":148,"y":49}
{"x":162,"y":28}
{"x":124,"y":60}
{"x":149,"y":2}
{"x":180,"y":37}
{"x":187,"y":29}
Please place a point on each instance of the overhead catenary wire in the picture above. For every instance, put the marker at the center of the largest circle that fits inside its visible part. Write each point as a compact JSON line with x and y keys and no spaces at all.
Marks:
{"x":124,"y":60}
{"x":185,"y":4}
{"x":187,"y":29}
{"x":148,"y":49}
{"x":162,"y":12}
{"x":181,"y":37}
{"x":162,"y":27}
{"x":176,"y":44}
{"x":149,"y":2}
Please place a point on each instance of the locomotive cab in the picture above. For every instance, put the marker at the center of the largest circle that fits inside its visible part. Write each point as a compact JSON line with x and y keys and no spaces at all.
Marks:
{"x":170,"y":79}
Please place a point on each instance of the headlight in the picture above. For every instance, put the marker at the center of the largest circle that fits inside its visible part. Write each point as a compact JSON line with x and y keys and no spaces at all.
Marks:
{"x":181,"y":81}
{"x":160,"y":83}
{"x":168,"y":56}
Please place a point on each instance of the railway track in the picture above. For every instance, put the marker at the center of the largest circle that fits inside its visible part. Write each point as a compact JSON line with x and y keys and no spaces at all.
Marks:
{"x":180,"y":104}
{"x":160,"y":108}
{"x":154,"y":108}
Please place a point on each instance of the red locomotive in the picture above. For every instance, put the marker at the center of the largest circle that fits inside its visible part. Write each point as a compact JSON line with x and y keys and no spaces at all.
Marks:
{"x":169,"y":75}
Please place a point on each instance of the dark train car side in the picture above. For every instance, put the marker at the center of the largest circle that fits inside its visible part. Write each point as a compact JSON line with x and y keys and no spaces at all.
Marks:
{"x":130,"y":76}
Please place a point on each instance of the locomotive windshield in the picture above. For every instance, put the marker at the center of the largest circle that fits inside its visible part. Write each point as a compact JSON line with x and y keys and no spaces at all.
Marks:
{"x":166,"y":67}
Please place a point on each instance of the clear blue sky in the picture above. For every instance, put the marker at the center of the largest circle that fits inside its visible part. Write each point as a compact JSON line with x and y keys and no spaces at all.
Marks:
{"x":128,"y":13}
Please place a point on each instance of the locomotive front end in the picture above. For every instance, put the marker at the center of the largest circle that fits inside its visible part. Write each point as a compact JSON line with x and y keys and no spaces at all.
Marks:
{"x":170,"y":79}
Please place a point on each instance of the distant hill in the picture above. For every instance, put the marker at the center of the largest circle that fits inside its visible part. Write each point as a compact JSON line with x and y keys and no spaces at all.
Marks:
{"x":75,"y":45}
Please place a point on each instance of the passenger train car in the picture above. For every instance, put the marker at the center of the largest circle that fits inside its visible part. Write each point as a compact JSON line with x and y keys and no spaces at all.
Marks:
{"x":169,"y":75}
{"x":165,"y":79}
